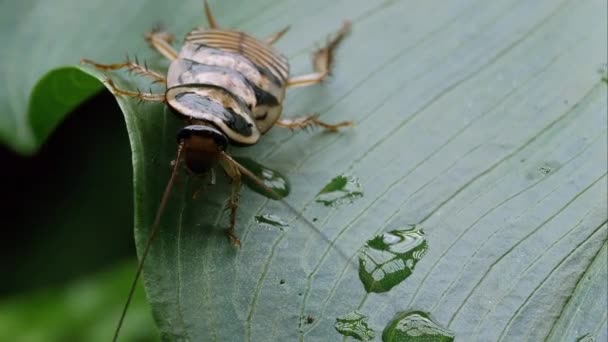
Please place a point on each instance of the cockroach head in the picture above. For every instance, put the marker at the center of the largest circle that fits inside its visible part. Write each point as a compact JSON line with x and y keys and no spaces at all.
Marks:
{"x":202,"y":146}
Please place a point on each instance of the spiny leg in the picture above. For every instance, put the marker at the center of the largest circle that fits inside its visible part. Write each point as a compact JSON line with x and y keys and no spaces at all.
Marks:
{"x":322,"y":60}
{"x":133,"y":67}
{"x":273,"y":39}
{"x":161,"y":40}
{"x":209,"y":15}
{"x":234,"y":173}
{"x":142,"y":96}
{"x":310,"y":120}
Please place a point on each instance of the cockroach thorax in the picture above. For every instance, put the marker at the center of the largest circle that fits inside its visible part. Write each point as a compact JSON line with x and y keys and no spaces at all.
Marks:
{"x":202,"y":146}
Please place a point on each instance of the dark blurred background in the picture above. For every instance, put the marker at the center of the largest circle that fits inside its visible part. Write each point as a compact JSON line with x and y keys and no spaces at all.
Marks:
{"x":67,"y":246}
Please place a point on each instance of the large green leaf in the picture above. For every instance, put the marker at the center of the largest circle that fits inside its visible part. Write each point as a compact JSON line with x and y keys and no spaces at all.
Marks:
{"x":483,"y":122}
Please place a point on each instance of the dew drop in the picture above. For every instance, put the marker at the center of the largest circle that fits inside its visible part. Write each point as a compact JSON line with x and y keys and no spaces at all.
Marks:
{"x":354,"y":324}
{"x":343,"y":189}
{"x":388,"y":259}
{"x":543,"y":169}
{"x":270,"y":221}
{"x":586,"y":338}
{"x":271,"y":178}
{"x":603,"y":71}
{"x":415,"y":326}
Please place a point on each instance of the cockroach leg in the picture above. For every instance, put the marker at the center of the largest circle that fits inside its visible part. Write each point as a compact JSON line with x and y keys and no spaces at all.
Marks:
{"x":142,"y":96}
{"x":233,"y":172}
{"x":309,"y":121}
{"x":131,"y":66}
{"x":209,"y":15}
{"x":275,"y":37}
{"x":161,"y":40}
{"x":322,"y":61}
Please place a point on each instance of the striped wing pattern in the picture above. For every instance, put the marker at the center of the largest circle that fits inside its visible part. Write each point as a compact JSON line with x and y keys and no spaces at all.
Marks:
{"x":243,"y":44}
{"x":249,"y":71}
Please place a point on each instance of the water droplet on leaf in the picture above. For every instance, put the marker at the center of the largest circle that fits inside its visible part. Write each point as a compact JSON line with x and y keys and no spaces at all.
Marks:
{"x":586,"y":338}
{"x":415,"y":326}
{"x":603,"y":71}
{"x":342,"y":189}
{"x":269,"y":221}
{"x":390,"y":258}
{"x":271,"y":178}
{"x":354,"y":324}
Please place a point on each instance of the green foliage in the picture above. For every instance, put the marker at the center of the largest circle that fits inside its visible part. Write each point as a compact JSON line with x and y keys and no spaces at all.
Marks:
{"x":84,"y":310}
{"x":482,"y":121}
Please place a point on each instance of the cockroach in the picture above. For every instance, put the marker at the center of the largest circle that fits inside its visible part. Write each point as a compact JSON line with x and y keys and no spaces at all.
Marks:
{"x":228,"y":87}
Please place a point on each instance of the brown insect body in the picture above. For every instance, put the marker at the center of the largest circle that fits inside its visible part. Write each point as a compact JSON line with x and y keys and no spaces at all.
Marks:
{"x":230,"y":82}
{"x":229,"y":87}
{"x":245,"y":76}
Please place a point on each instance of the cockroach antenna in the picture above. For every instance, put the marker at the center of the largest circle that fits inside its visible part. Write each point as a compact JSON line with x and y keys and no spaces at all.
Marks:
{"x":154,"y":230}
{"x":163,"y":203}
